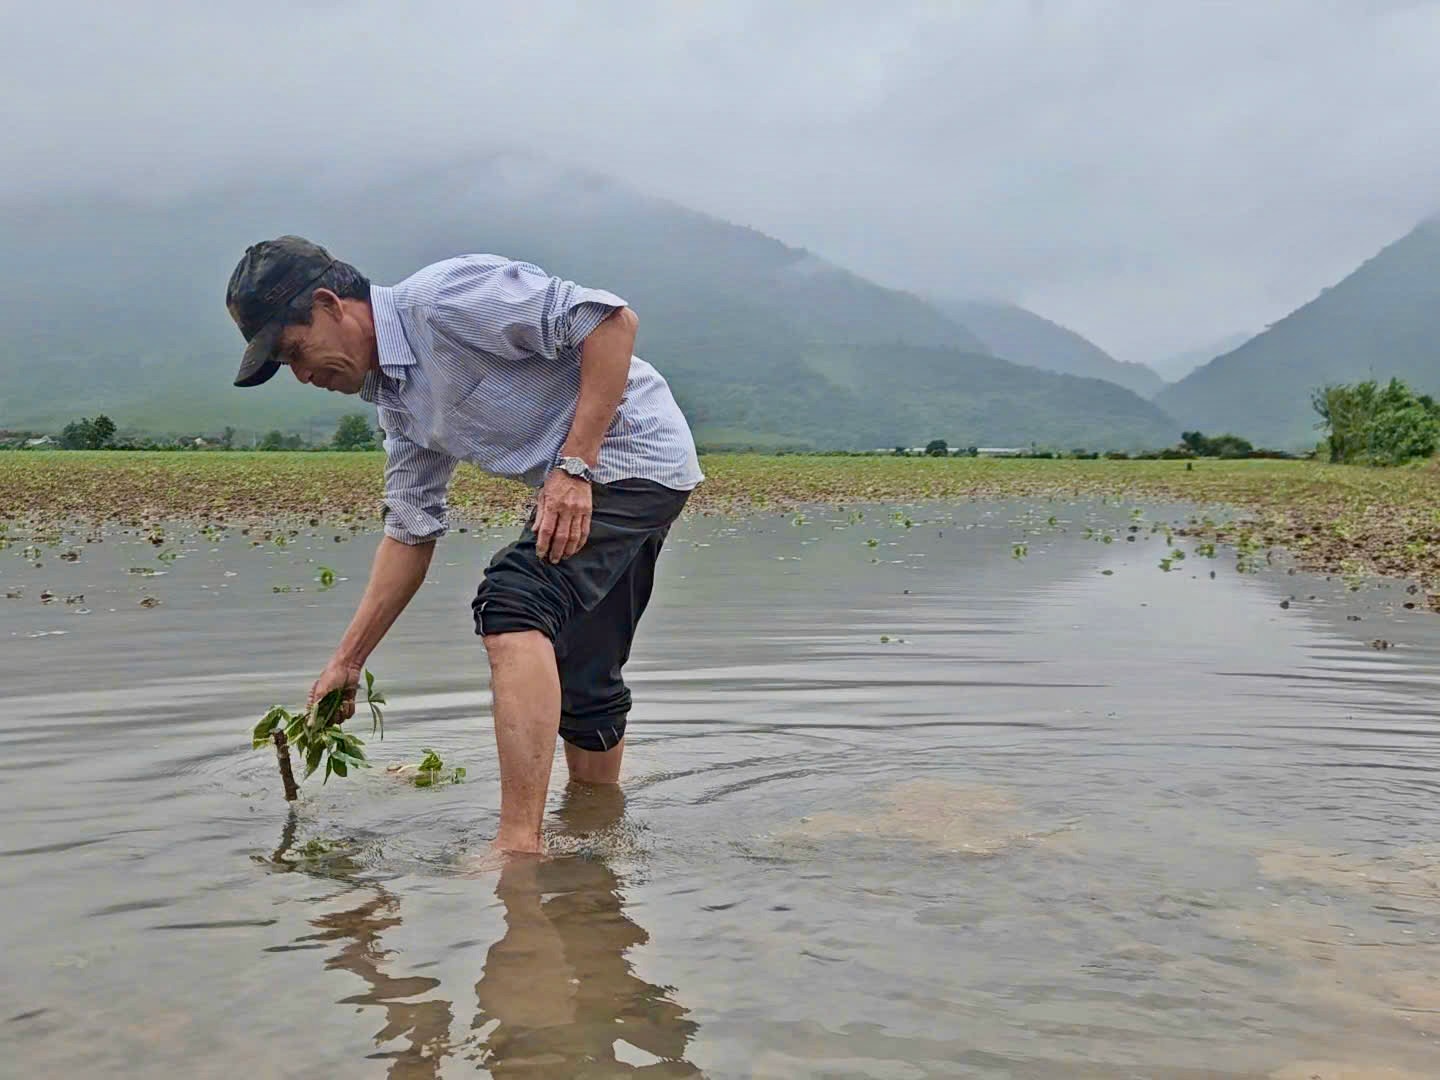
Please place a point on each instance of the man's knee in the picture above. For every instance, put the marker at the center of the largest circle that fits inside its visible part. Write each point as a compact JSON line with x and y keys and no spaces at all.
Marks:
{"x":514,"y":645}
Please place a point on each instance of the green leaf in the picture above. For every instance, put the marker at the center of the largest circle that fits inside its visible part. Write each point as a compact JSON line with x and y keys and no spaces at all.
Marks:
{"x":296,"y":728}
{"x":459,"y":773}
{"x":369,"y":683}
{"x":313,"y":753}
{"x":328,"y":707}
{"x":377,"y":698}
{"x":268,"y":723}
{"x":329,"y":768}
{"x":431,"y":762}
{"x":337,"y":763}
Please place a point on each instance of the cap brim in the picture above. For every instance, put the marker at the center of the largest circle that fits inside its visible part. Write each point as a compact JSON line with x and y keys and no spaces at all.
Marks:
{"x":259,"y":362}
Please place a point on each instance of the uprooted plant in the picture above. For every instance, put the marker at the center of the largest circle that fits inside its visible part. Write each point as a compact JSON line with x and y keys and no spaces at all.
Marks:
{"x":316,"y":733}
{"x":431,"y":772}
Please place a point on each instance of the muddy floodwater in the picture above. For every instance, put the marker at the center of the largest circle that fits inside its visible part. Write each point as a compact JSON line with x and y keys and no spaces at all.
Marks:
{"x":988,"y":795}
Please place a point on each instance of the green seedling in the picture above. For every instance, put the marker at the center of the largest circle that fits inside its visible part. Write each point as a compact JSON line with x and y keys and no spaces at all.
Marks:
{"x":1019,"y":551}
{"x":316,"y":733}
{"x":326,"y":577}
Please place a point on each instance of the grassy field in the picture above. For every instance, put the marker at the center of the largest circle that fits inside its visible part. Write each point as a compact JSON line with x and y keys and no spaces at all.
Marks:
{"x":1343,"y":519}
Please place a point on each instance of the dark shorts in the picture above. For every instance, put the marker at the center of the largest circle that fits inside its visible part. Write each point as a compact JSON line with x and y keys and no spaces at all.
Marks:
{"x":588,"y":605}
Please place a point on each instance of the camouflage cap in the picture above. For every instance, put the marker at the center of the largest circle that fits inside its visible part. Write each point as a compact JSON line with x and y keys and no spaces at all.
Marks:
{"x":270,"y":275}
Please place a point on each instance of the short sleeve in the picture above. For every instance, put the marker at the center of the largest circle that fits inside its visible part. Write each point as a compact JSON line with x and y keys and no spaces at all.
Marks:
{"x":516,"y":311}
{"x":417,"y":481}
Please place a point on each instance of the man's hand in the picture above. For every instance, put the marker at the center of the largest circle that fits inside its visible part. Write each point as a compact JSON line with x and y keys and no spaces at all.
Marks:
{"x":562,"y":516}
{"x":338,"y":673}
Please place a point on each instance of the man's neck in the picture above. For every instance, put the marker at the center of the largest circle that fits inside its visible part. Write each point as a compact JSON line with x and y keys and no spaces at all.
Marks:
{"x":365,"y":316}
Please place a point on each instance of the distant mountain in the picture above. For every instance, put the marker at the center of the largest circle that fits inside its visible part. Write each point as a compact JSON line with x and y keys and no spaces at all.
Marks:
{"x":1175,"y":367}
{"x":1381,"y":321}
{"x":1022,"y":337}
{"x":116,"y":306}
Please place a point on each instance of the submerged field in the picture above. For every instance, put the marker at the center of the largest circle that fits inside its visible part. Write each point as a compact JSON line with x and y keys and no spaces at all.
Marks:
{"x":1339,"y":519}
{"x":911,"y":790}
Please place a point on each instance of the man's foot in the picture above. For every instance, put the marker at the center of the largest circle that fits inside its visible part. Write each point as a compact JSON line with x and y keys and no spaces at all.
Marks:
{"x":495,"y":859}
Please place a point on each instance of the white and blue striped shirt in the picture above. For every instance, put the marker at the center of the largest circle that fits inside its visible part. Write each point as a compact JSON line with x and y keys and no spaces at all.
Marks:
{"x":480,"y":362}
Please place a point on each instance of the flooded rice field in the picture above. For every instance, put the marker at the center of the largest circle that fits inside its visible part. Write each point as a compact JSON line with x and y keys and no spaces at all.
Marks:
{"x":977,"y":790}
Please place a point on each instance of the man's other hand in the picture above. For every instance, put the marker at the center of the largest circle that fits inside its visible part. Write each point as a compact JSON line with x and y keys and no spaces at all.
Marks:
{"x":338,"y":673}
{"x":562,"y":516}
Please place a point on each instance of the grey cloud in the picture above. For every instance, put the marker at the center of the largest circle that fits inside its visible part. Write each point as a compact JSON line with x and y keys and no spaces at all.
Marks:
{"x":1154,"y":174}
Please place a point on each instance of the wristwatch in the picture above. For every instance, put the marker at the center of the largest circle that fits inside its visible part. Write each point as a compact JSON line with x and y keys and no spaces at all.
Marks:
{"x":576,"y":467}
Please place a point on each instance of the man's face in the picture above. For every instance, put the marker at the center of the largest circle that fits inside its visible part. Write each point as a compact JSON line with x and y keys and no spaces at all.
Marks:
{"x":331,"y":352}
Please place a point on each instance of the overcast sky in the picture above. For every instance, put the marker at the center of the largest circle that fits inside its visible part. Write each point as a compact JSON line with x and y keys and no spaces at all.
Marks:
{"x":1155,"y":173}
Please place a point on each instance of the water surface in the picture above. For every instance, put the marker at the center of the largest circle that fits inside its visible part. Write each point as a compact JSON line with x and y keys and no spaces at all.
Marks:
{"x":921,"y":808}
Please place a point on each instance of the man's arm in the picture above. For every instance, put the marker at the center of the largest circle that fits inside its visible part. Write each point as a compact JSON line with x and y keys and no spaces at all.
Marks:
{"x":416,"y":482}
{"x":562,"y":522}
{"x":395,"y":576}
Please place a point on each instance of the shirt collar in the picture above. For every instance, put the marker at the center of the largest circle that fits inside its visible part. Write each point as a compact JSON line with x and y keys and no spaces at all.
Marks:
{"x":390,"y":343}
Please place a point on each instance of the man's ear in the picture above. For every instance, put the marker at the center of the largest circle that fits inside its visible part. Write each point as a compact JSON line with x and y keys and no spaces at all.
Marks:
{"x":328,"y":302}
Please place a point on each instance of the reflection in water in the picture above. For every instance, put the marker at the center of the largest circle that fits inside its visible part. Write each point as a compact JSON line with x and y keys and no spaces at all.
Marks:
{"x":558,"y":991}
{"x":425,"y":1025}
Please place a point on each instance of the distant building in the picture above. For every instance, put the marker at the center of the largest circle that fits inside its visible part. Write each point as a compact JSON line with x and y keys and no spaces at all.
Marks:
{"x":1001,"y":451}
{"x":43,"y":440}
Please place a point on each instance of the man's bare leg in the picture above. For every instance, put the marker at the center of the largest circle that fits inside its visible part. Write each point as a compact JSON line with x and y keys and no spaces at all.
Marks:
{"x":595,"y":766}
{"x":525,"y":684}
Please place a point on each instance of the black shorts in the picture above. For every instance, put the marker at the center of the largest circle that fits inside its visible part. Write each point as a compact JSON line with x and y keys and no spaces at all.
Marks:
{"x":588,"y":605}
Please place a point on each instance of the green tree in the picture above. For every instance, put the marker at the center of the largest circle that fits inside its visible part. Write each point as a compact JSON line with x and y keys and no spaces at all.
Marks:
{"x":936,"y":448}
{"x":227,"y":438}
{"x":87,"y":434}
{"x":273,"y":440}
{"x":102,"y":432}
{"x":77,"y":434}
{"x":1221,"y":446}
{"x":1369,"y":424}
{"x":353,"y":433}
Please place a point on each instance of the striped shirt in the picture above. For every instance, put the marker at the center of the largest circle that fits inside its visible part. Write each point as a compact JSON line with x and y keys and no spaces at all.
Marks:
{"x":480,"y":362}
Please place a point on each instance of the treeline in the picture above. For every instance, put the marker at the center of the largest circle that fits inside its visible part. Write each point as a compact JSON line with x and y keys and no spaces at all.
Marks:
{"x":1369,"y":424}
{"x":1364,"y":423}
{"x":353,"y":432}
